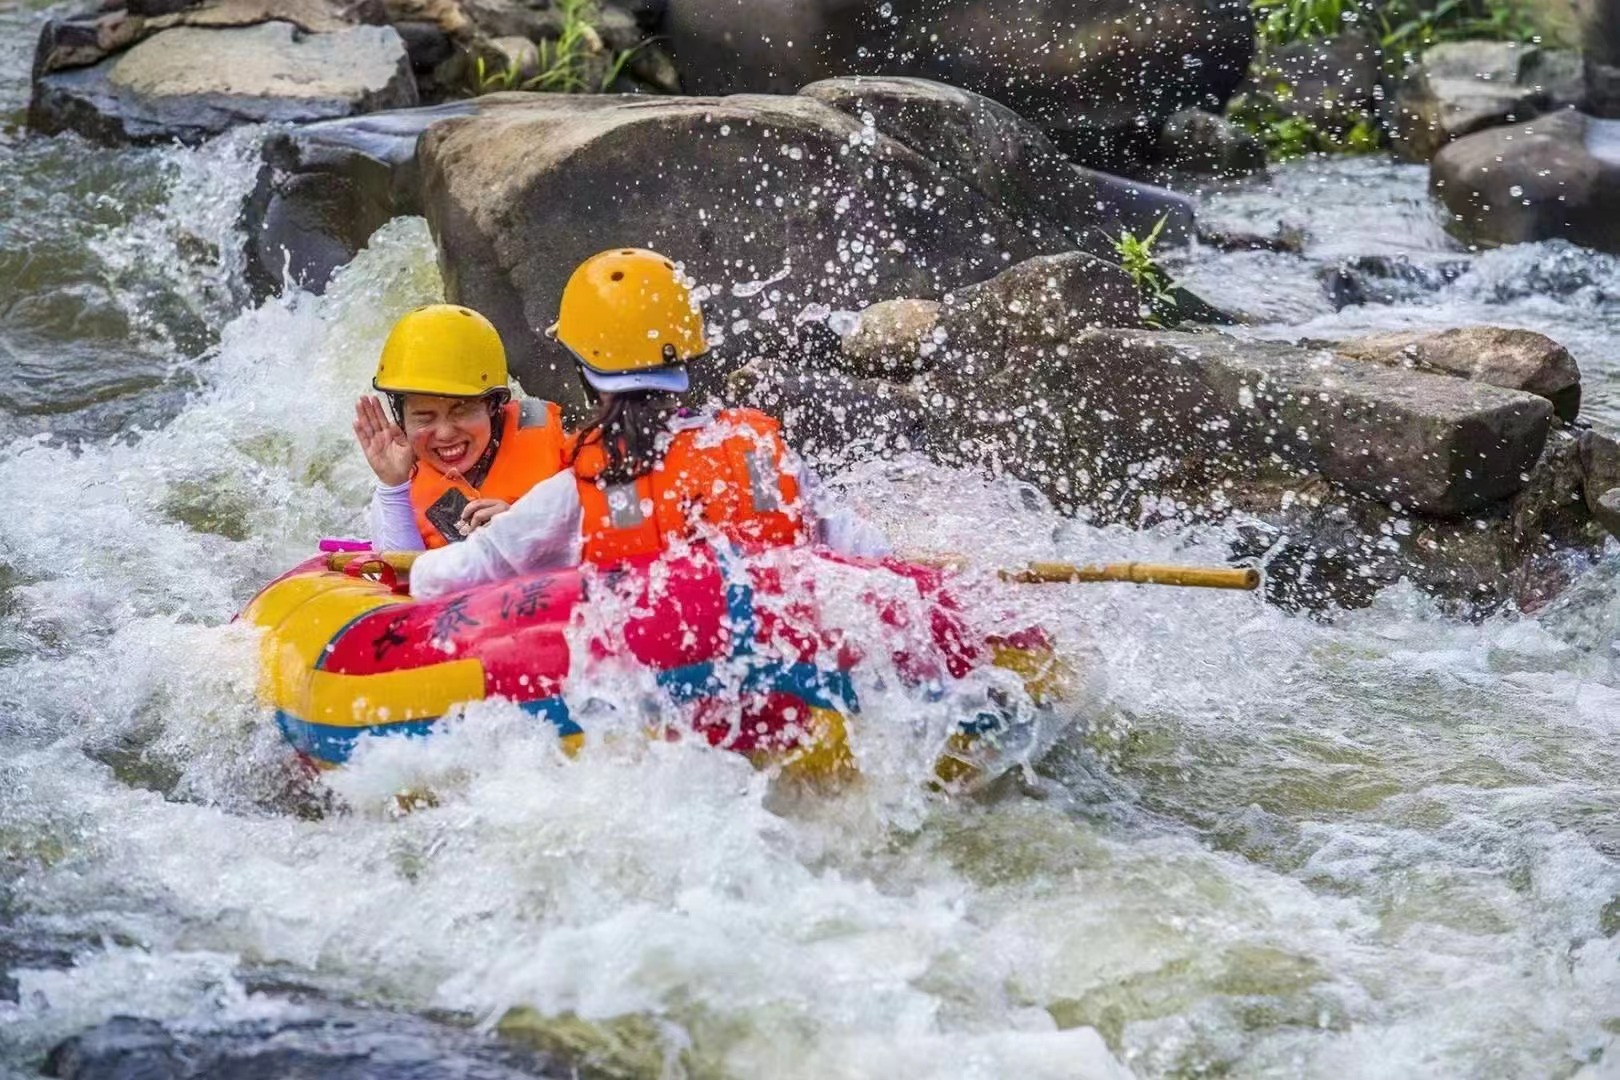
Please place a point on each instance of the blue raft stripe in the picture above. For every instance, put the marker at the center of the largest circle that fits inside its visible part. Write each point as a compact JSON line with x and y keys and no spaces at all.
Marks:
{"x":334,"y":743}
{"x":815,"y":687}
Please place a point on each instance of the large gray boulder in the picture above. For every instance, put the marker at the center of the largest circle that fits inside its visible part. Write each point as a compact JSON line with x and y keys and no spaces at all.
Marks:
{"x":191,"y":83}
{"x":1458,"y":88}
{"x":1556,"y":177}
{"x":783,"y":208}
{"x":1100,"y":76}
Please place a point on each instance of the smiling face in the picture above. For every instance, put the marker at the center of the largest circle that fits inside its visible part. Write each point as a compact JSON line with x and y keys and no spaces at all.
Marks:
{"x":450,"y":434}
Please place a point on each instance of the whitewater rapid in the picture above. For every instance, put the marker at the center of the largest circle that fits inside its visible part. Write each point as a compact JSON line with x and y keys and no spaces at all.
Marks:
{"x":1377,"y":843}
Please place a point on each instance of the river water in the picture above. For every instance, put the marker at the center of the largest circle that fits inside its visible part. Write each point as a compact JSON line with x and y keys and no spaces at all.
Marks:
{"x":1384,"y":843}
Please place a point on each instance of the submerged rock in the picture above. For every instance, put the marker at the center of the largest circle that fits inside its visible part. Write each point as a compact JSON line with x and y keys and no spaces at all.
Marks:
{"x":312,"y":1040}
{"x":190,"y":83}
{"x":1386,"y":279}
{"x":1458,"y":88}
{"x":1555,"y":177}
{"x":1512,"y":359}
{"x":1099,"y":76}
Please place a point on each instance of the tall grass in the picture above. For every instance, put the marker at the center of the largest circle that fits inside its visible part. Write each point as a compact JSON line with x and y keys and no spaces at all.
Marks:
{"x":572,"y":63}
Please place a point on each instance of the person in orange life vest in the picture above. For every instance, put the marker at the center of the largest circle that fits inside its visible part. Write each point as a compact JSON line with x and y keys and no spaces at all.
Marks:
{"x":457,"y":451}
{"x":644,"y":471}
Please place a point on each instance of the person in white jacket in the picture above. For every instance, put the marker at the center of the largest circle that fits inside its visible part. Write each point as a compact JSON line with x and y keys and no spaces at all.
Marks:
{"x":645,"y":472}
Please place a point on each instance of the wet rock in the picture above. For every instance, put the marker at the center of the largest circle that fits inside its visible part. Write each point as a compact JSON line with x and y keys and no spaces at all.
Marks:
{"x":1512,"y":359}
{"x":311,"y":1040}
{"x":1198,"y":142}
{"x":1033,"y":307}
{"x":1600,"y":470}
{"x":1107,"y":411}
{"x":1285,"y":240}
{"x":1386,"y":279}
{"x":1607,"y":510}
{"x":1557,"y":176}
{"x":779,"y":205}
{"x":1121,"y":62}
{"x":827,"y":412}
{"x":83,"y":40}
{"x":191,"y":83}
{"x":1462,"y":87}
{"x":893,"y":338}
{"x":20,"y":949}
{"x":325,"y":188}
{"x":1346,"y":476}
{"x":1008,"y":160}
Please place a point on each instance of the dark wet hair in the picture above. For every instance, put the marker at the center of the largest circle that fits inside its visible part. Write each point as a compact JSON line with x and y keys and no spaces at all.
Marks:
{"x":627,"y":427}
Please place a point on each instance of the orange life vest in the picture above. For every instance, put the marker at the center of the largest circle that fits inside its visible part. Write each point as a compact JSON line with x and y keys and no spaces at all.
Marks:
{"x":532,"y":448}
{"x":730,"y":474}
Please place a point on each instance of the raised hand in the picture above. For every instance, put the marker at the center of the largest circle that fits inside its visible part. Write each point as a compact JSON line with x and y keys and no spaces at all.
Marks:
{"x":387,"y":450}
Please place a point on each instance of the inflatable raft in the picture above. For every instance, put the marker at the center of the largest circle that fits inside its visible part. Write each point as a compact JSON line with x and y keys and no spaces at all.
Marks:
{"x":736,"y":649}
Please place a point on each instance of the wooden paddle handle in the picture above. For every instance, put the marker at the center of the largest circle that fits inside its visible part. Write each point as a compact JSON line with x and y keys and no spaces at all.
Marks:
{"x":1140,"y":573}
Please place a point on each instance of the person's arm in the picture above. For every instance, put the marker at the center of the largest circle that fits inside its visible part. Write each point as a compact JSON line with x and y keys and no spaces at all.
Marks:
{"x":838,"y":527}
{"x":393,"y":519}
{"x":540,"y":532}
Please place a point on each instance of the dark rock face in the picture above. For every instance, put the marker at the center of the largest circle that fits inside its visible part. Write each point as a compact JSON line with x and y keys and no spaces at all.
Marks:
{"x":1100,"y":76}
{"x":328,"y":1041}
{"x":1558,"y":176}
{"x":1008,"y":160}
{"x":190,"y":83}
{"x":325,"y":188}
{"x":1600,"y":42}
{"x":1462,"y":87}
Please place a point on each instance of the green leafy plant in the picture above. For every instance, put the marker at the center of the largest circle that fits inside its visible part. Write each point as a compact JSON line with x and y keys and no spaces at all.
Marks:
{"x":1398,"y":24}
{"x":566,"y":64}
{"x":1152,"y":281}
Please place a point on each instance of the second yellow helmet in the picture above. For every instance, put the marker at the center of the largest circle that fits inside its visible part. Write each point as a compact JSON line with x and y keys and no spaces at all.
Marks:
{"x":630,"y":321}
{"x":445,"y":350}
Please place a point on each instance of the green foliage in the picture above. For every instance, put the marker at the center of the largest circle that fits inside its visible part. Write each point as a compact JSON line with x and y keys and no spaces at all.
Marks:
{"x":1152,"y":281}
{"x":572,"y":63}
{"x":1398,"y":24}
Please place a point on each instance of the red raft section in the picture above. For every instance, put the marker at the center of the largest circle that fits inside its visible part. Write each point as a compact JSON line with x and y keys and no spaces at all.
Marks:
{"x":737,"y":647}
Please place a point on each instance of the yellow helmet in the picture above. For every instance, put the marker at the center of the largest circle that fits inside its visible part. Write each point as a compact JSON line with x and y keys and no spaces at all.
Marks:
{"x":630,"y":321}
{"x":445,"y":350}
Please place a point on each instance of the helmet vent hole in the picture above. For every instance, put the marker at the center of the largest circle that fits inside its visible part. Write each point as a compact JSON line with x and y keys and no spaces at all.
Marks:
{"x":618,"y":275}
{"x":668,"y":265}
{"x":626,"y":251}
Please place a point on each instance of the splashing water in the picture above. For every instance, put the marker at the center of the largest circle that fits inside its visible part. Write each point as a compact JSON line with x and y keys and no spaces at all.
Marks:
{"x":1385,"y":844}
